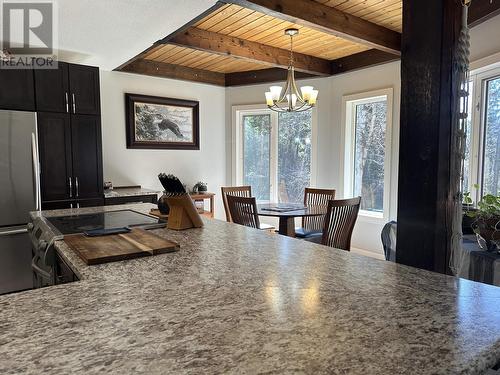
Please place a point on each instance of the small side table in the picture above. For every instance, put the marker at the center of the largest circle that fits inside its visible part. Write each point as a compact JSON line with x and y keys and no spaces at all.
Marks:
{"x":201,"y":197}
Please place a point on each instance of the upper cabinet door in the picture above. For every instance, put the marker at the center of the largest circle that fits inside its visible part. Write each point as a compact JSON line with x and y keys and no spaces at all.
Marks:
{"x":52,"y":89}
{"x":17,"y":89}
{"x":54,"y":134}
{"x":84,"y":90}
{"x":87,"y":156}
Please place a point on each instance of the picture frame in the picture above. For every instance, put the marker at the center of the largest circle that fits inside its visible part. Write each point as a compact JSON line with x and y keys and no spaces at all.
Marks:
{"x":154,"y":122}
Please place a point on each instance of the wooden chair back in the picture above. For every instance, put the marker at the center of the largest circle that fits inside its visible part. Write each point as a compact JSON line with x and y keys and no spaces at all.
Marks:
{"x":243,"y":211}
{"x":339,"y":223}
{"x":316,"y":197}
{"x":238,"y":191}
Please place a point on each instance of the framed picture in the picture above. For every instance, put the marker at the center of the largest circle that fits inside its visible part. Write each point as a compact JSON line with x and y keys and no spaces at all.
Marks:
{"x":165,"y":123}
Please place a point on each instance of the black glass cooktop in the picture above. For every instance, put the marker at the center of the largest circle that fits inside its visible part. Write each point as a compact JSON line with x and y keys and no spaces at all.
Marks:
{"x":103,"y":220}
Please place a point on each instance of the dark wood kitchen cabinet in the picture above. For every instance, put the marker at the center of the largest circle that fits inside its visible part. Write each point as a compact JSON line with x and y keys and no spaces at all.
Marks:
{"x":70,"y":159}
{"x":84,"y":88}
{"x":87,"y":156}
{"x":69,"y":89}
{"x":54,"y":144}
{"x":17,"y":89}
{"x":52,"y":89}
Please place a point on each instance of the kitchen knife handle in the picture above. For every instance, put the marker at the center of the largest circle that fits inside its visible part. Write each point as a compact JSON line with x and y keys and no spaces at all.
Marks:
{"x":70,"y":185}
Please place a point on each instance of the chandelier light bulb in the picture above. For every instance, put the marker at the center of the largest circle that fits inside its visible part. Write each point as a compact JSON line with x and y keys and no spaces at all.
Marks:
{"x":289,"y":98}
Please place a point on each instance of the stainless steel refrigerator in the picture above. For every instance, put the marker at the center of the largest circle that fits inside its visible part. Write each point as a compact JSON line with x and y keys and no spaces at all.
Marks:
{"x":19,"y":194}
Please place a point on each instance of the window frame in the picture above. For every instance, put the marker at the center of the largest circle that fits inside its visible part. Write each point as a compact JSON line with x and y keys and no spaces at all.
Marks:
{"x":349,"y":103}
{"x":238,"y":153}
{"x":479,"y":79}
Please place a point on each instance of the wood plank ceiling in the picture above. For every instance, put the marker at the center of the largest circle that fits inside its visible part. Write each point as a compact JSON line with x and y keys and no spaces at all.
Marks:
{"x":238,"y":42}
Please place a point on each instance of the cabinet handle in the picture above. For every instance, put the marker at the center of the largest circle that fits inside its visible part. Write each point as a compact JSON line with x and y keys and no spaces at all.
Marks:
{"x":70,"y":184}
{"x":67,"y":103}
{"x":74,"y":102}
{"x":76,"y":186}
{"x":71,"y":205}
{"x":78,"y":205}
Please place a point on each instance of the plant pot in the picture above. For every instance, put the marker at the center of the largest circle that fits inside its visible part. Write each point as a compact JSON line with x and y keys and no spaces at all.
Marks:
{"x":163,"y":205}
{"x":489,"y":230}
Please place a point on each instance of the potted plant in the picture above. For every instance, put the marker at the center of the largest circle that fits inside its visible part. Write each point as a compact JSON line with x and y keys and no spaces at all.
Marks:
{"x":468,"y":208}
{"x":200,"y":187}
{"x":486,"y":220}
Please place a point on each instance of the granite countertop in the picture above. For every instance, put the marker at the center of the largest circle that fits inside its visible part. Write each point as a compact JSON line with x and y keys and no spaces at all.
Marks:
{"x":239,"y":300}
{"x":128,"y":192}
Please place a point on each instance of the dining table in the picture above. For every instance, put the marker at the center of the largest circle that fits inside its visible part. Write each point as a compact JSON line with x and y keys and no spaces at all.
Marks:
{"x":287,"y":212}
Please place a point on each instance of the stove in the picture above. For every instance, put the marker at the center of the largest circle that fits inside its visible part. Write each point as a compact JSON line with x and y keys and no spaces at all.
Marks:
{"x":104,"y":220}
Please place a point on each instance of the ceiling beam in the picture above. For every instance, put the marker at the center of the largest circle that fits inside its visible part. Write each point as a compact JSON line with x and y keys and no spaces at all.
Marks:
{"x":362,"y":60}
{"x":482,"y":10}
{"x":342,"y":65}
{"x":261,"y":76}
{"x":329,"y":20}
{"x":160,"y":69}
{"x":226,"y":45}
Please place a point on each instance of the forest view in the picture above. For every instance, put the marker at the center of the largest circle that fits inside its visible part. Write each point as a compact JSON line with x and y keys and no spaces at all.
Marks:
{"x":369,"y":154}
{"x":293,"y":169}
{"x":491,"y":169}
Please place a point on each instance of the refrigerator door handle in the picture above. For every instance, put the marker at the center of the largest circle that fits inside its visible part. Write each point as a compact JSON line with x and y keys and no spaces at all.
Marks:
{"x":13,"y":231}
{"x":36,"y":170}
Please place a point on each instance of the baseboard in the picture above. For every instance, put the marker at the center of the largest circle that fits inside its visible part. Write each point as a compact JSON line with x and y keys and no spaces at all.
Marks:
{"x":368,"y":253}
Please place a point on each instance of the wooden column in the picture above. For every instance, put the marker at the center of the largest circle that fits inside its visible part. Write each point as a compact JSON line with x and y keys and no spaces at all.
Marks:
{"x":429,"y":89}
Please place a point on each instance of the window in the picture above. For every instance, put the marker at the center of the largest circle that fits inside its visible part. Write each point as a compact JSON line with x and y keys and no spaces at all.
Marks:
{"x":273,"y":153}
{"x":367,"y":153}
{"x":482,"y":154}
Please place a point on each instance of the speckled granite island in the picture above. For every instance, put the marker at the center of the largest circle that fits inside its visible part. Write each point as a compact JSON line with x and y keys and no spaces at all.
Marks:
{"x":238,"y":300}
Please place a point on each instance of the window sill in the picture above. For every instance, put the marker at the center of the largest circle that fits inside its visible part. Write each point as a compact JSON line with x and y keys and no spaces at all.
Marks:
{"x":370,"y":217}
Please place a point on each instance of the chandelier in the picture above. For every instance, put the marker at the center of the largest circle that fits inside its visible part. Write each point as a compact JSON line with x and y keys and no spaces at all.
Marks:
{"x":290,"y":99}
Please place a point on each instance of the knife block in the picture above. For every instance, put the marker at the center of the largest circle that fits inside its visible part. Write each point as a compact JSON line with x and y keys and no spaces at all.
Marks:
{"x":183,"y":213}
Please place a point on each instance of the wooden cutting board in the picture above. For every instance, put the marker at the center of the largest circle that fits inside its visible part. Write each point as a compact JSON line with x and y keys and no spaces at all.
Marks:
{"x":112,"y":248}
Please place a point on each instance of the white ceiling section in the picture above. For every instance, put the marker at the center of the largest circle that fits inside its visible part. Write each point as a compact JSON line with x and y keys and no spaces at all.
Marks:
{"x":107,"y":33}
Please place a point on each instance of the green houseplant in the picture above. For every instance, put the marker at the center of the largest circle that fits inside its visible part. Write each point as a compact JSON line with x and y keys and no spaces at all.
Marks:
{"x":200,"y":187}
{"x":486,"y":220}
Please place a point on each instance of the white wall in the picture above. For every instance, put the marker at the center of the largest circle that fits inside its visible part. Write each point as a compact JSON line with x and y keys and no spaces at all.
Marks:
{"x":329,"y":135}
{"x":125,"y":166}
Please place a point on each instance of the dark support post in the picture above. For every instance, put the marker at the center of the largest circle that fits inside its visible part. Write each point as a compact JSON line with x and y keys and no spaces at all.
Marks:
{"x":429,"y":91}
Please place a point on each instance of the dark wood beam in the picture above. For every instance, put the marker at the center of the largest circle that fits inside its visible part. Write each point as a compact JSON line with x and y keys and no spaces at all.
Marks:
{"x":156,"y":45}
{"x":261,"y":76}
{"x":345,"y":64}
{"x":429,"y":91}
{"x":482,"y":10}
{"x":159,"y":69}
{"x":329,"y":20}
{"x":250,"y":51}
{"x":362,"y":60}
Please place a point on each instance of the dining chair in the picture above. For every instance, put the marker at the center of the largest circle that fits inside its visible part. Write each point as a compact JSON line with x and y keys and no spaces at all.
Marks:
{"x":339,"y":223}
{"x":243,"y":211}
{"x":240,"y":191}
{"x":388,"y":235}
{"x":312,"y":226}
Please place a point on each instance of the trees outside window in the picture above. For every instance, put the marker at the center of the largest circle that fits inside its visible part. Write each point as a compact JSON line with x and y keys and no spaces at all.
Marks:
{"x":368,"y":118}
{"x":482,"y":154}
{"x":491,"y":164}
{"x":274,"y":153}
